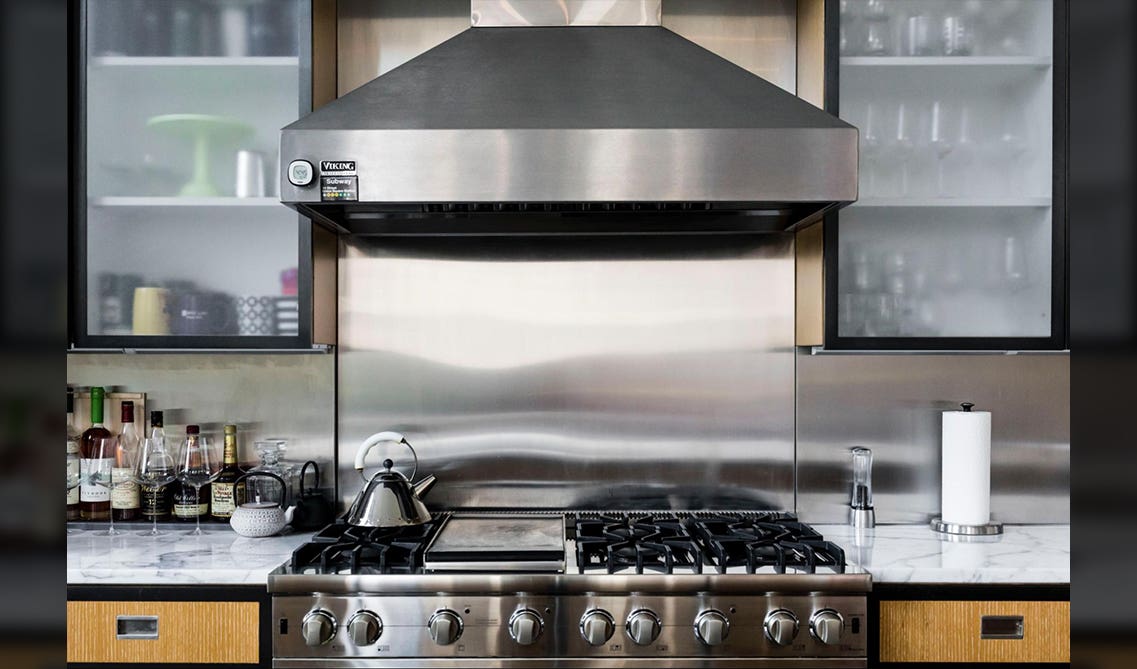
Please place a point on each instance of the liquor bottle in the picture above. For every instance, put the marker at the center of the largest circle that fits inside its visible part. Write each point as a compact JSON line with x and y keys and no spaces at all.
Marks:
{"x":94,"y":500}
{"x":73,"y":438}
{"x":226,"y":494}
{"x":189,"y":505}
{"x":125,"y":501}
{"x":157,"y":502}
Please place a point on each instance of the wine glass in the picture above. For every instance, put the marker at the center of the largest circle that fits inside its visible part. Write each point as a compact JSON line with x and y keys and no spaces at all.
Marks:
{"x":73,"y":479}
{"x":871,"y":145}
{"x":197,"y":465}
{"x":902,"y":146}
{"x":940,"y":144}
{"x":100,"y":475}
{"x":154,"y":469}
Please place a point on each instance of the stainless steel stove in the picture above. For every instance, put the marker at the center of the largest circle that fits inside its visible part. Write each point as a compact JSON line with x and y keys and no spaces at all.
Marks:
{"x":572,"y":590}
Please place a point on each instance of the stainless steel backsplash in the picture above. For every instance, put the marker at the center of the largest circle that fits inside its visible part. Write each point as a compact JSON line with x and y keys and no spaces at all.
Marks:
{"x":570,"y":372}
{"x":893,"y":403}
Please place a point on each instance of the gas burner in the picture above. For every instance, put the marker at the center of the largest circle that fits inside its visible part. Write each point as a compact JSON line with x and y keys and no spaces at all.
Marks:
{"x":615,"y":543}
{"x":765,"y":540}
{"x":340,"y":548}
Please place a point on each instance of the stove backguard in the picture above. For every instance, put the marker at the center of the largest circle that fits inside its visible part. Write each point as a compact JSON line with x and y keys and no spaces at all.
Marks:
{"x":574,"y":372}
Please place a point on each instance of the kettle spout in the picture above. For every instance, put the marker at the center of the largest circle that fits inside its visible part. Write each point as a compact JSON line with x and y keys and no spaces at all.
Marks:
{"x":424,"y":485}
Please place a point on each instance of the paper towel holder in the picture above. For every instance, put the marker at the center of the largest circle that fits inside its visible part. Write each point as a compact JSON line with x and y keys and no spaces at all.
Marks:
{"x":992,"y":528}
{"x":988,"y":529}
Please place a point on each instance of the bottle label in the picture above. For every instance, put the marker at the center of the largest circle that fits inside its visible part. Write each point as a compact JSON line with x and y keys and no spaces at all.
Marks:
{"x":88,"y":490}
{"x":222,"y":502}
{"x":155,"y":502}
{"x":124,"y":492}
{"x":189,"y":510}
{"x":72,"y":445}
{"x":73,"y":468}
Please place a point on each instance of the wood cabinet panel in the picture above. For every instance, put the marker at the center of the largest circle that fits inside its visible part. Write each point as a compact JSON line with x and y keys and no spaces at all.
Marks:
{"x":950,"y":631}
{"x":191,"y":632}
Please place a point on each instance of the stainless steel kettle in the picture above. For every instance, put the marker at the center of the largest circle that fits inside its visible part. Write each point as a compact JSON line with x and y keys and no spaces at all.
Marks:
{"x":389,"y":499}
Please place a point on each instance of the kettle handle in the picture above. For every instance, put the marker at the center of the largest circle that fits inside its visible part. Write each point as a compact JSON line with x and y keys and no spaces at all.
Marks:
{"x":283,"y":486}
{"x":378,"y":438}
{"x":304,"y":470}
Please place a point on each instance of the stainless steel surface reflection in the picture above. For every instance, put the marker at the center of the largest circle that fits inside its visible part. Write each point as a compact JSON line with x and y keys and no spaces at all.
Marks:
{"x":893,"y":404}
{"x":489,"y":13}
{"x":574,"y":372}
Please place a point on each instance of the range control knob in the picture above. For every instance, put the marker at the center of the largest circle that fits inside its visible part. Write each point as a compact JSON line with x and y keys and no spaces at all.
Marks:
{"x":642,"y":626}
{"x":525,"y":626}
{"x":712,"y":627}
{"x":364,"y":628}
{"x":780,"y":627}
{"x":318,"y":627}
{"x":596,"y":626}
{"x":825,"y":626}
{"x":445,"y":627}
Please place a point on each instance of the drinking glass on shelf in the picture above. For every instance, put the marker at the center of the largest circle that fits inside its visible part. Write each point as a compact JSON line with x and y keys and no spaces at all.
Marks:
{"x":878,"y":38}
{"x":871,"y":145}
{"x":875,"y":10}
{"x":940,"y":144}
{"x":920,"y":37}
{"x":902,"y":147}
{"x":958,"y":36}
{"x":197,"y":464}
{"x":1012,"y":152}
{"x":100,"y":473}
{"x":154,"y":469}
{"x":963,"y":155}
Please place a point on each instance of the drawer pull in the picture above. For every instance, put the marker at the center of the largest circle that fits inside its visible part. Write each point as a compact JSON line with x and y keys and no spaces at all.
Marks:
{"x":136,"y":627}
{"x":1001,"y":627}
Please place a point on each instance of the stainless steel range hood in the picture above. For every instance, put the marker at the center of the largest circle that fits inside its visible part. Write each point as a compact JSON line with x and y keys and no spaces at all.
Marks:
{"x":567,"y":129}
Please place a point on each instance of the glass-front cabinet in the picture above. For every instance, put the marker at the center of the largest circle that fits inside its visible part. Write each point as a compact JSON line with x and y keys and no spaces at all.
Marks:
{"x":958,"y":238}
{"x":181,"y":241}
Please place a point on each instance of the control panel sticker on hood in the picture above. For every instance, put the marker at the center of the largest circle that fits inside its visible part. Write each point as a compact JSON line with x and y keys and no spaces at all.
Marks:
{"x":339,"y":189}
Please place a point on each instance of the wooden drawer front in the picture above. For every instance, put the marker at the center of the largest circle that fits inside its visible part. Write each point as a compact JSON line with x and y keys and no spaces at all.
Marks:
{"x":947,"y":631}
{"x":197,"y":632}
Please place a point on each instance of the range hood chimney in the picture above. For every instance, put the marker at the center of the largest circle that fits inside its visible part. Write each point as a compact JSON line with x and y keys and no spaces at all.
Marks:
{"x":518,"y":126}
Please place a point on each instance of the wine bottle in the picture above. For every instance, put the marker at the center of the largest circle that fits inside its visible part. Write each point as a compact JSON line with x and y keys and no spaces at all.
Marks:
{"x":125,"y":500}
{"x":157,"y":501}
{"x":94,"y":500}
{"x":226,"y":494}
{"x":188,"y":503}
{"x":73,"y":438}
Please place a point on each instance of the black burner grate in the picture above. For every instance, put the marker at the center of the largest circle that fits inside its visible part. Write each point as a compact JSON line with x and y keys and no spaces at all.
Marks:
{"x":765,"y":540}
{"x":651,"y":543}
{"x":340,"y":548}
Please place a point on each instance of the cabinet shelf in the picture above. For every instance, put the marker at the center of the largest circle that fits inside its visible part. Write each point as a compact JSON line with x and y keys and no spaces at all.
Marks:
{"x":194,"y":61}
{"x":957,"y":203}
{"x":1036,"y":62}
{"x":157,"y":201}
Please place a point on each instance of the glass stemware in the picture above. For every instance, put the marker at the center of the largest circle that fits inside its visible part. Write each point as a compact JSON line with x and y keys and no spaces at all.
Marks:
{"x":870,"y":148}
{"x":940,"y":144}
{"x":154,"y":469}
{"x":198,"y":464}
{"x":903,"y":146}
{"x":100,"y":473}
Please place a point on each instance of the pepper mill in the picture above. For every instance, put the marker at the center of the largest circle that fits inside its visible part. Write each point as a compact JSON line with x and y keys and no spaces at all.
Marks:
{"x":861,"y":514}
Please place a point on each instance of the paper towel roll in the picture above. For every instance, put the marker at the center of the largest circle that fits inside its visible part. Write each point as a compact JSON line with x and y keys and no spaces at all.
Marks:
{"x":965,"y":497}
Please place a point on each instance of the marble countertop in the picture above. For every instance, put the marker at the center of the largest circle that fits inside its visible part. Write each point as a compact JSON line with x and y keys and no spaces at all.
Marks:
{"x":218,"y":557}
{"x":915,"y":554}
{"x":891,"y":553}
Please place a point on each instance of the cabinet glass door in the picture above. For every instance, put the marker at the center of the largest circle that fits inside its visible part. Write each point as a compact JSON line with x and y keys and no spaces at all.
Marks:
{"x":953,"y":238}
{"x":185,"y":240}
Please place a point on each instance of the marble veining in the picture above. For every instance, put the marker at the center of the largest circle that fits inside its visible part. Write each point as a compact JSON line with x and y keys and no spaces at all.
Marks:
{"x":891,"y":553}
{"x":220,"y":556}
{"x":916,"y":554}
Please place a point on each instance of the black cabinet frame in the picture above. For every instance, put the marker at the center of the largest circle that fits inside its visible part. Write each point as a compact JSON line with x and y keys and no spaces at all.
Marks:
{"x":79,"y":337}
{"x":1059,"y":309}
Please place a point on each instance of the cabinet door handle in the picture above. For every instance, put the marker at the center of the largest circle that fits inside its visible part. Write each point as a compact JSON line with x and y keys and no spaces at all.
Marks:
{"x":1001,"y":627}
{"x":136,"y":627}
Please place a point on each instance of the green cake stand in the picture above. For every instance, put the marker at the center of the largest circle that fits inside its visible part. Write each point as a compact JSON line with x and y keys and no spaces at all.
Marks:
{"x":204,"y":131}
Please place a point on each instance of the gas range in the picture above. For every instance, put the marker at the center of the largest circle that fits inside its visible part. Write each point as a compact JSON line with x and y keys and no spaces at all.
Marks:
{"x":574,"y":589}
